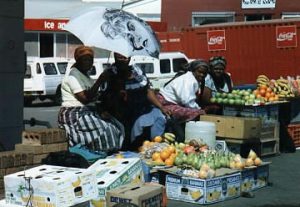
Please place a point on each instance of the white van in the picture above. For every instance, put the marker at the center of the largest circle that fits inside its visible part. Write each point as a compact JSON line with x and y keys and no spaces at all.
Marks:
{"x":161,"y":70}
{"x":43,"y":77}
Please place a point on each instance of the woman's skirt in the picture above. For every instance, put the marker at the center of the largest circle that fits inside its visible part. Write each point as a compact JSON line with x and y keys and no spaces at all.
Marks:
{"x":84,"y":126}
{"x":180,"y":113}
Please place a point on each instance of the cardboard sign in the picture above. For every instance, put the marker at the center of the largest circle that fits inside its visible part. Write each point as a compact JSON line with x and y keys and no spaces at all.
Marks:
{"x":216,"y":40}
{"x":286,"y":36}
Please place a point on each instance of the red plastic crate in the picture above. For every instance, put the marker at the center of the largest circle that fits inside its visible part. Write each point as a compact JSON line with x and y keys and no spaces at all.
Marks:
{"x":294,"y":131}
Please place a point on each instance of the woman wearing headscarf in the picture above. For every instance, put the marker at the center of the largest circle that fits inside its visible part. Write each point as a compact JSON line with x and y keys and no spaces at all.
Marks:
{"x":78,"y":115}
{"x":217,"y":80}
{"x":180,"y":94}
{"x":137,"y":106}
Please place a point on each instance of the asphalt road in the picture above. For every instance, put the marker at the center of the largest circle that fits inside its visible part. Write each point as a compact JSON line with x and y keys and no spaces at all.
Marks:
{"x":42,"y":111}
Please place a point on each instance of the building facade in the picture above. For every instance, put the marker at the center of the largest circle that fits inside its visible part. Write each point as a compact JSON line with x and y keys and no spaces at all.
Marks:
{"x":194,"y":13}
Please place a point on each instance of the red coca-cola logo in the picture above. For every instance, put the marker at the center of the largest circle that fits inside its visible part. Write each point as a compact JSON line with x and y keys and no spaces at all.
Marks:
{"x":286,"y":36}
{"x":216,"y":40}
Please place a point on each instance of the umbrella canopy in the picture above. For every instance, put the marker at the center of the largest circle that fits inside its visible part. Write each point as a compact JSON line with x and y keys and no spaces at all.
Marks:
{"x":115,"y":30}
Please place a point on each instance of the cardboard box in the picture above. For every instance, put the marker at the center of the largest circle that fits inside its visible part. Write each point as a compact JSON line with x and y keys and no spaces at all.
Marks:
{"x":53,"y":186}
{"x":204,"y":191}
{"x":255,"y":177}
{"x":235,"y":127}
{"x":112,"y":173}
{"x":138,"y":194}
{"x":267,"y":113}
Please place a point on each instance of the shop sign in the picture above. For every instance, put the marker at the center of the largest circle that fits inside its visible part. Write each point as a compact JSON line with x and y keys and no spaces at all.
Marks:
{"x":216,"y":40}
{"x":258,"y":4}
{"x":44,"y":24}
{"x":286,"y":36}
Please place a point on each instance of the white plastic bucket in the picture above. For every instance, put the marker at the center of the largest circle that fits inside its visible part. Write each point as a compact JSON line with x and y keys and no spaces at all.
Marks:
{"x":201,"y":130}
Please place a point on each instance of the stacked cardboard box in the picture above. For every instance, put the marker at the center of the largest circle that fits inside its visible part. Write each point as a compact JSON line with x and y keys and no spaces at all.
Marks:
{"x":41,"y":142}
{"x":36,"y":145}
{"x":11,"y":162}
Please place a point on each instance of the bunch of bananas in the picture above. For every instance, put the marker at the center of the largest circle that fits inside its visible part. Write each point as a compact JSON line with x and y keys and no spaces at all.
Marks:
{"x":282,"y":88}
{"x":169,"y":137}
{"x":262,"y":80}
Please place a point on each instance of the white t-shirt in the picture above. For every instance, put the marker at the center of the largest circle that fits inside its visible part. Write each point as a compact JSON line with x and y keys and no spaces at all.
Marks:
{"x":209,"y":83}
{"x":182,"y":90}
{"x":74,"y":82}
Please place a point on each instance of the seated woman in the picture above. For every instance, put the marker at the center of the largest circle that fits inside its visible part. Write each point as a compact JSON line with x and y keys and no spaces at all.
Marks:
{"x":78,"y":115}
{"x":217,"y":80}
{"x":137,"y":105}
{"x":180,"y":94}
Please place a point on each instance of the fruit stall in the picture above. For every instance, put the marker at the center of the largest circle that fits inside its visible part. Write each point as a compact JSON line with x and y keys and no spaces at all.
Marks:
{"x":222,"y":158}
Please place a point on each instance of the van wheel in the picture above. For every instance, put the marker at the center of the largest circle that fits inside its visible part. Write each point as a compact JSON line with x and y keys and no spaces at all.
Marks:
{"x":57,"y":98}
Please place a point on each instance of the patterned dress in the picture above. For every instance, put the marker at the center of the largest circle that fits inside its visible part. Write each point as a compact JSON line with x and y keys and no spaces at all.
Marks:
{"x":82,"y":123}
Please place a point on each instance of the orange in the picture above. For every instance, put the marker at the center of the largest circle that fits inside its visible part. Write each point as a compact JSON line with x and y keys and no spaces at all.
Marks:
{"x":263,"y":87}
{"x":276,"y":97}
{"x":157,"y":139}
{"x":271,"y":99}
{"x":169,"y":162}
{"x":156,"y":155}
{"x":268,"y":95}
{"x":164,"y":154}
{"x":146,"y":143}
{"x":172,"y":149}
{"x":258,"y":95}
{"x":262,"y":91}
{"x":255,"y":92}
{"x":269,"y":90}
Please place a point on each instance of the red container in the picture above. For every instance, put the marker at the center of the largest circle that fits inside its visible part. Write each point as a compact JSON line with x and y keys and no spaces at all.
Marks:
{"x":294,"y":131}
{"x":251,"y":48}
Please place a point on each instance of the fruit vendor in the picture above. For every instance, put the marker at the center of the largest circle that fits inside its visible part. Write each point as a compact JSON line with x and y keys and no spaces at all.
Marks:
{"x":78,"y":115}
{"x":180,"y":94}
{"x":217,"y":79}
{"x":135,"y":103}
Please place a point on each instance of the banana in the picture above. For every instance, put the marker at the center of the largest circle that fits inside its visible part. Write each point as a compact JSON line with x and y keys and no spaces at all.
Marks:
{"x":263,"y":76}
{"x":169,"y":136}
{"x":282,"y":80}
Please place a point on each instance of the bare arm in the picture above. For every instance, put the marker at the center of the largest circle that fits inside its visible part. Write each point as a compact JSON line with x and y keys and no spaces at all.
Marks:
{"x":206,"y":96}
{"x":88,"y":96}
{"x":152,"y":98}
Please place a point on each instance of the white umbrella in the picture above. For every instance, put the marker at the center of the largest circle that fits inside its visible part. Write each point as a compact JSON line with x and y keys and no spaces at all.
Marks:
{"x":115,"y":30}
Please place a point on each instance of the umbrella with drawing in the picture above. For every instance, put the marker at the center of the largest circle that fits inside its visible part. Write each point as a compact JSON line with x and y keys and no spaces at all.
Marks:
{"x":115,"y":30}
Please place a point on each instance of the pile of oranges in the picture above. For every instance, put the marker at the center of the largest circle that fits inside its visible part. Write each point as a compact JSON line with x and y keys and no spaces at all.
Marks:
{"x":166,"y":156}
{"x":266,"y":93}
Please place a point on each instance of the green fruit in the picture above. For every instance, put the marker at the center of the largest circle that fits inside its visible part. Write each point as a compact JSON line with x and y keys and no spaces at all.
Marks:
{"x":231,"y":101}
{"x":219,"y":100}
{"x":213,"y":100}
{"x":225,"y":101}
{"x":230,"y":96}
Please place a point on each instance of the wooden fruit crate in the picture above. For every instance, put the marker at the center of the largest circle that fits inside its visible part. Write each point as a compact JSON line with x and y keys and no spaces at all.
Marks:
{"x":294,"y":131}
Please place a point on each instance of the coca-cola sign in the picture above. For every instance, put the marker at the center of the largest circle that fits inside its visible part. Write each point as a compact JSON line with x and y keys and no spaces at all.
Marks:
{"x":216,"y":40}
{"x":286,"y":36}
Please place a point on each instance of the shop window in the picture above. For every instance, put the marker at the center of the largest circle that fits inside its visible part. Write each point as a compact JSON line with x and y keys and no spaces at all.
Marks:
{"x":61,"y":45}
{"x":258,"y":17}
{"x":31,"y":44}
{"x":202,"y":18}
{"x":46,"y":45}
{"x":290,"y":15}
{"x":165,"y":66}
